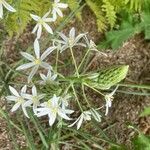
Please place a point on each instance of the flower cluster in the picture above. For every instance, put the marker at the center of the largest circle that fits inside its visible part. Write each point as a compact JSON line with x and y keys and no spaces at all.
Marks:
{"x":55,"y":106}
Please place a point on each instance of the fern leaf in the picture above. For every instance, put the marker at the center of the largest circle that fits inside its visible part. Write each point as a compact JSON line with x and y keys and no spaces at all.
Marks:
{"x":95,"y":6}
{"x":110,"y":12}
{"x":17,"y":22}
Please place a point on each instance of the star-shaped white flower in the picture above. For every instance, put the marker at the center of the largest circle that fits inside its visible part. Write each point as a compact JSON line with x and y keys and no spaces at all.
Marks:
{"x":49,"y":78}
{"x":7,"y":6}
{"x":42,"y":22}
{"x":71,"y":41}
{"x":109,"y":98}
{"x":18,"y":98}
{"x":56,"y":10}
{"x":34,"y":99}
{"x":53,"y":110}
{"x":36,"y":61}
{"x":86,"y":116}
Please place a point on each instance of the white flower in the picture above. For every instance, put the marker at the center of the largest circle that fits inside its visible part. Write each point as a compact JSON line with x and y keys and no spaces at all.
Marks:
{"x":42,"y":22}
{"x":36,"y":61}
{"x":52,"y":109}
{"x":85,"y":116}
{"x":56,"y":9}
{"x":18,"y":98}
{"x":109,"y":98}
{"x":91,"y":45}
{"x":95,"y":115}
{"x":33,"y":99}
{"x":65,"y":101}
{"x":7,"y":6}
{"x":48,"y":78}
{"x":71,"y":41}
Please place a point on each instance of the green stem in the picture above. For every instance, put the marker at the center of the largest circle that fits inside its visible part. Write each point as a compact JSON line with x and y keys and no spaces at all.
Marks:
{"x":75,"y":94}
{"x":57,"y":56}
{"x":83,"y":90}
{"x":94,"y":89}
{"x":83,"y":59}
{"x":74,"y":62}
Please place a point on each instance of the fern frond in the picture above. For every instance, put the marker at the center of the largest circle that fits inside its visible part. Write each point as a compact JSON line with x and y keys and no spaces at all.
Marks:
{"x":110,"y":12}
{"x":135,"y":5}
{"x":17,"y":22}
{"x":95,"y":6}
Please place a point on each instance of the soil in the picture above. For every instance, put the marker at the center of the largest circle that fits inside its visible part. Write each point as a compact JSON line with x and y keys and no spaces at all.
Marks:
{"x":126,"y":108}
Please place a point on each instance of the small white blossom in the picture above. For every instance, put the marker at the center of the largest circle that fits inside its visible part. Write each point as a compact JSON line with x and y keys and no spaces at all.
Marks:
{"x":56,"y":10}
{"x":85,"y":116}
{"x":109,"y":98}
{"x":36,"y":61}
{"x":7,"y":6}
{"x":42,"y":22}
{"x":34,"y":99}
{"x":53,"y":110}
{"x":18,"y":98}
{"x":71,"y":41}
{"x":90,"y":44}
{"x":95,"y":115}
{"x":65,"y":100}
{"x":48,"y":78}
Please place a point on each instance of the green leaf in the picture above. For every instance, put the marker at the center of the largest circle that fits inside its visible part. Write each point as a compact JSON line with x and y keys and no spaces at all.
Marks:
{"x":142,"y":142}
{"x":146,"y":112}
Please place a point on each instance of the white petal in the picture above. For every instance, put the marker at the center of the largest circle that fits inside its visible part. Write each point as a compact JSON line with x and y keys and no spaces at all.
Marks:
{"x":1,"y":11}
{"x":75,"y":122}
{"x":80,"y":122}
{"x":43,"y":77}
{"x":35,"y":28}
{"x":48,"y":20}
{"x":13,"y":91}
{"x":39,"y":31}
{"x":25,"y":111}
{"x":27,"y":56}
{"x":43,"y":112}
{"x":46,"y":15}
{"x":32,"y":73}
{"x":15,"y":107}
{"x":63,"y":115}
{"x":37,"y":48}
{"x":62,"y":5}
{"x":54,"y":77}
{"x":41,"y":96}
{"x":52,"y":119}
{"x":11,"y":98}
{"x":28,"y":103}
{"x":47,"y":52}
{"x":35,"y":17}
{"x":54,"y":15}
{"x":24,"y":89}
{"x":57,"y":1}
{"x":25,"y":66}
{"x":48,"y":28}
{"x":79,"y":37}
{"x":34,"y":91}
{"x":7,"y":6}
{"x":59,"y":12}
{"x":45,"y":65}
{"x":72,"y":33}
{"x":63,"y":36}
